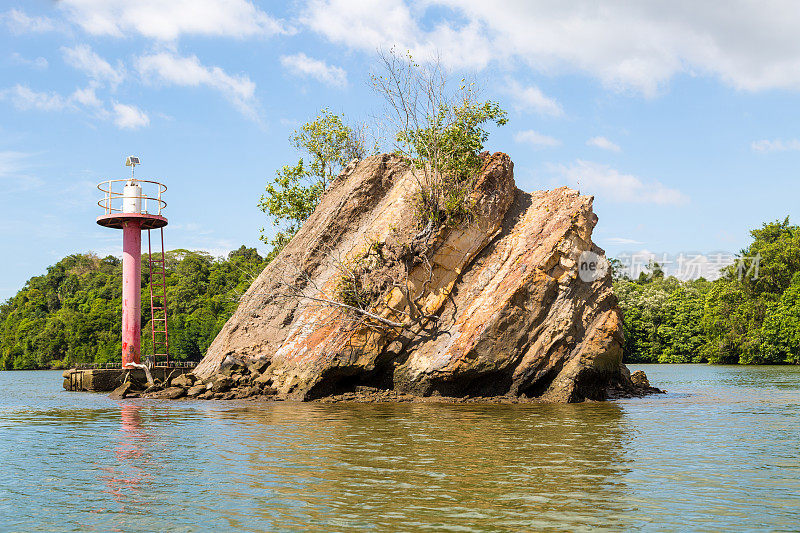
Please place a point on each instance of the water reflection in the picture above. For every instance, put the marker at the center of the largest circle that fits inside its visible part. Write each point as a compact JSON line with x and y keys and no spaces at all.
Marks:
{"x":124,"y":478}
{"x":416,"y":466}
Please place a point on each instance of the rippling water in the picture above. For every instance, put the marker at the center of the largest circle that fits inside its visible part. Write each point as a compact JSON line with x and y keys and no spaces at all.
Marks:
{"x":720,"y":451}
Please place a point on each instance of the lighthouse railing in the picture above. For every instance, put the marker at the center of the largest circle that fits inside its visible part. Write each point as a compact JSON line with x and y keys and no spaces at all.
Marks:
{"x":112,"y":201}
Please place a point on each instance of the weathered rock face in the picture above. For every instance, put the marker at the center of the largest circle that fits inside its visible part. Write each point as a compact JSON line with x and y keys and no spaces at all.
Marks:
{"x":510,"y":316}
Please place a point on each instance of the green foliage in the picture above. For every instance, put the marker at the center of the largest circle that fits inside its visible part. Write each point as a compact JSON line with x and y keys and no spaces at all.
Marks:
{"x":780,"y":335}
{"x":439,"y":131}
{"x":751,"y":315}
{"x":357,"y":284}
{"x":294,"y":194}
{"x":331,"y":143}
{"x":72,"y":314}
{"x":450,"y":141}
{"x":777,"y":244}
{"x":662,"y":319}
{"x":350,"y":291}
{"x":290,"y":200}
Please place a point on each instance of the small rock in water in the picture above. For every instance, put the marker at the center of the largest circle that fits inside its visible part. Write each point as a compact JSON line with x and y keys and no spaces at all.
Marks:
{"x":196,"y":390}
{"x":207,"y":395}
{"x":152,"y":388}
{"x":184,"y":380}
{"x":640,"y":379}
{"x":222,"y":384}
{"x":121,"y":391}
{"x":171,"y":393}
{"x":241,"y":392}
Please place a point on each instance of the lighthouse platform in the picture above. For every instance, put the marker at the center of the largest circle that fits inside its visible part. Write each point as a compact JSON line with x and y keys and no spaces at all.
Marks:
{"x":96,"y":379}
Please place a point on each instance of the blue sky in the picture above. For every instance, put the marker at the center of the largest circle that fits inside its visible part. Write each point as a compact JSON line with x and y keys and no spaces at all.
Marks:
{"x":682,"y":119}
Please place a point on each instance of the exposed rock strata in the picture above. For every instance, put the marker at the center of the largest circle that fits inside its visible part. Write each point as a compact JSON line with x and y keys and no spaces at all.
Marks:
{"x":513,"y":317}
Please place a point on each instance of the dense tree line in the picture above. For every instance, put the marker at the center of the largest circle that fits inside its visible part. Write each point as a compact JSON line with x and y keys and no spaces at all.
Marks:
{"x":749,"y":315}
{"x":72,"y":314}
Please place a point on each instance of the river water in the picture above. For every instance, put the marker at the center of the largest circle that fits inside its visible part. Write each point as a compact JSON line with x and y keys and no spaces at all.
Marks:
{"x":720,"y":451}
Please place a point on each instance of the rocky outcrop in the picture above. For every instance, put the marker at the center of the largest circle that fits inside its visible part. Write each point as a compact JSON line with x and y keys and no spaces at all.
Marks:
{"x":492,"y":307}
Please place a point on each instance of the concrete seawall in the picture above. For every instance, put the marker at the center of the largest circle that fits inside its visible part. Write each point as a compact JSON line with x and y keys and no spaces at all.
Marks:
{"x":108,"y":379}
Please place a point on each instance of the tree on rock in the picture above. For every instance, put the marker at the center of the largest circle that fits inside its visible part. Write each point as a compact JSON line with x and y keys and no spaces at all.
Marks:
{"x":296,"y":190}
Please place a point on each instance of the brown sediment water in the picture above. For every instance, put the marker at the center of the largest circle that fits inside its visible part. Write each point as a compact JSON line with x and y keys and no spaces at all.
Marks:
{"x":718,"y":451}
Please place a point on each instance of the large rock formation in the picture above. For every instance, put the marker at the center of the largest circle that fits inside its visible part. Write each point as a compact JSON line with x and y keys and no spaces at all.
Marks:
{"x":493,"y":307}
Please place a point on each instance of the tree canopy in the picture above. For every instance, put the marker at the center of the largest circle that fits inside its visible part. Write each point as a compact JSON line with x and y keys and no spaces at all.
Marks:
{"x":750,"y":315}
{"x":72,"y":314}
{"x":296,"y":190}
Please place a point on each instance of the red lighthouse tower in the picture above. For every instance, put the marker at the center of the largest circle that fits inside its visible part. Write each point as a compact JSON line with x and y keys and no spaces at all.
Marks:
{"x":138,"y":206}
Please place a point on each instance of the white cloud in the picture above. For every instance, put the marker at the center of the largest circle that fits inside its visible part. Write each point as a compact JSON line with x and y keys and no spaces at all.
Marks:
{"x":125,"y":116}
{"x":621,"y":241}
{"x":86,"y":97}
{"x":304,"y":66}
{"x":24,"y":99}
{"x":604,"y":143}
{"x":611,"y":184}
{"x":129,"y":117}
{"x":531,"y":98}
{"x":13,"y":171}
{"x":535,"y":139}
{"x":627,"y":46}
{"x":83,"y":58}
{"x":189,"y":72}
{"x":169,"y":20}
{"x":11,"y":162}
{"x":39,"y":63}
{"x":19,"y":22}
{"x":372,"y":25}
{"x":778,"y":145}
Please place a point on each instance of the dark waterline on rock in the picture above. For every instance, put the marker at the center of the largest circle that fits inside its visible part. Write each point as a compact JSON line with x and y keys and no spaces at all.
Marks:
{"x":719,"y":451}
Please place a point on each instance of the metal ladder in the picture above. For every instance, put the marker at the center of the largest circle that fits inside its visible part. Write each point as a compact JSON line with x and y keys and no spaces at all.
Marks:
{"x":158,"y":304}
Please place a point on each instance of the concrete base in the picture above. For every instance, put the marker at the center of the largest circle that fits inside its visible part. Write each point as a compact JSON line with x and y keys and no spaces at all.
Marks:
{"x":108,"y":379}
